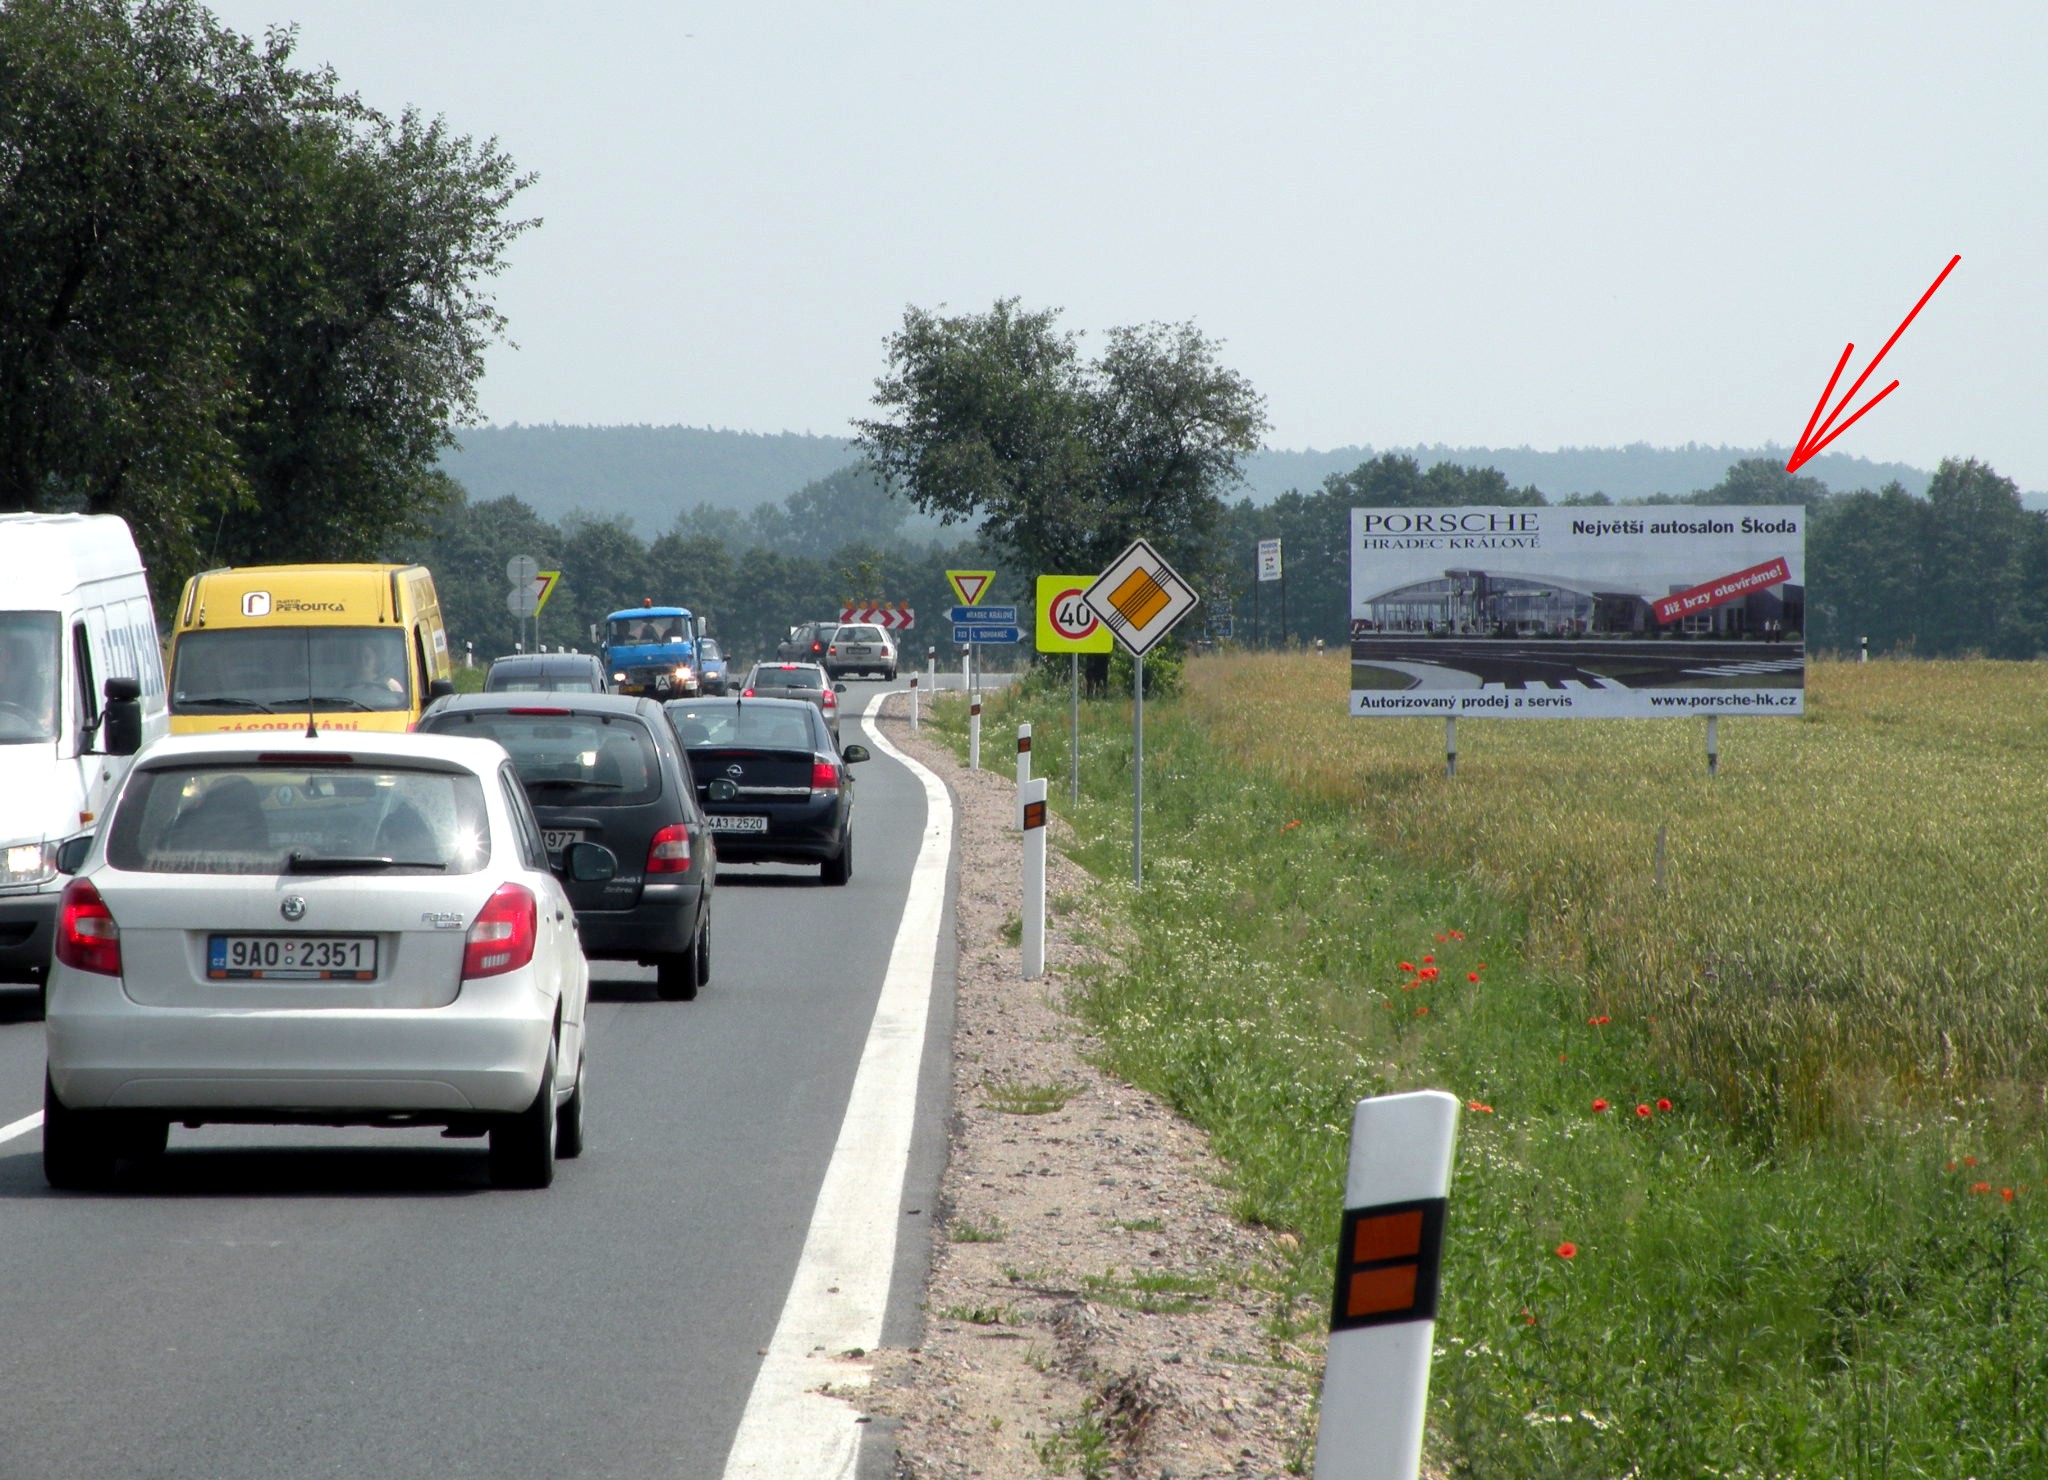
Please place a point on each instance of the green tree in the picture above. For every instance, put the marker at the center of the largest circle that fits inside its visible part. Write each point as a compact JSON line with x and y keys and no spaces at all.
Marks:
{"x":237,"y":306}
{"x":996,"y":418}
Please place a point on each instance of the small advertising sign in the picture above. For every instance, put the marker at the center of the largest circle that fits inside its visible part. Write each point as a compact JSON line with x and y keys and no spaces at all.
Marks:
{"x":1659,"y":611}
{"x":1269,"y":560}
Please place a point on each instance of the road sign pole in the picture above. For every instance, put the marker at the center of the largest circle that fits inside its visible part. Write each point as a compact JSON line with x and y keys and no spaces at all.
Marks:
{"x":1074,"y":737}
{"x":1138,"y":771}
{"x":1389,"y":1262}
{"x":1031,"y":807}
{"x":1023,"y":768}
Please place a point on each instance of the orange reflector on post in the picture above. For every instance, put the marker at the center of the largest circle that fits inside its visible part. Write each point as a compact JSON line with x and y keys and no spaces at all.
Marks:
{"x":1023,"y":744}
{"x":1389,"y":1263}
{"x":1034,"y":815}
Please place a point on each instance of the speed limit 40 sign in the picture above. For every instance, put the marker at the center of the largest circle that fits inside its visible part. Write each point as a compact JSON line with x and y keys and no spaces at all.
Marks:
{"x":1066,"y":623}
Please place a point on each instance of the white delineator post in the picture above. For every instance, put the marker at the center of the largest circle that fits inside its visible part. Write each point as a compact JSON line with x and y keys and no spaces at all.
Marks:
{"x":973,"y":731}
{"x":1031,"y":799}
{"x":913,"y":703}
{"x":1023,"y":768}
{"x":1389,"y":1261}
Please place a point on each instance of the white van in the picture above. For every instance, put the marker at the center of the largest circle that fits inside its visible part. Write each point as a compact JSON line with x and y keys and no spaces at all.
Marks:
{"x":79,"y":657}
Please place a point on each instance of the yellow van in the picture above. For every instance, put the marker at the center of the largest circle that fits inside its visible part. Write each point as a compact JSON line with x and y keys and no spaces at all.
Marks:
{"x":266,"y":647}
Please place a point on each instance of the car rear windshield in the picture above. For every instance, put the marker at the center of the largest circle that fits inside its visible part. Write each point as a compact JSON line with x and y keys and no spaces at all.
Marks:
{"x":568,"y":759}
{"x":751,"y":726}
{"x":859,"y":634}
{"x":787,"y":676}
{"x":539,"y":678}
{"x":299,"y":818}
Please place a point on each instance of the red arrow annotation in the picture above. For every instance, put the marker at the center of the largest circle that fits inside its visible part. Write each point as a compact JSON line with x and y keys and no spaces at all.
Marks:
{"x":1812,"y":440}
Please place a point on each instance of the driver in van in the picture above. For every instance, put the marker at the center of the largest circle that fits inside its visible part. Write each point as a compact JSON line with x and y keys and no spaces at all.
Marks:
{"x":367,"y":679}
{"x":28,"y":683}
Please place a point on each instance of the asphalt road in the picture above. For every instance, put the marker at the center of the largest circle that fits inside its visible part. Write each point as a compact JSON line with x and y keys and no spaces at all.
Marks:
{"x":291,"y":1302}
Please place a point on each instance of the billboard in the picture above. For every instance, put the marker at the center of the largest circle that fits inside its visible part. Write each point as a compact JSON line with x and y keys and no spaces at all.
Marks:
{"x":1637,"y":612}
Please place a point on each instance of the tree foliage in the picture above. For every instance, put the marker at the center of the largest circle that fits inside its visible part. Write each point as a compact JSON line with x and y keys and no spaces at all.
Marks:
{"x":996,"y":417}
{"x":238,"y":306}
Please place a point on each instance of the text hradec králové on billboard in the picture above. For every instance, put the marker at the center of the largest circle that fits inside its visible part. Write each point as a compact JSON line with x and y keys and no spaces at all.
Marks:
{"x":1578,"y":612}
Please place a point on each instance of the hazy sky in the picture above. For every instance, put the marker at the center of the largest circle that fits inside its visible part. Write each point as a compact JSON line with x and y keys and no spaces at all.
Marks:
{"x":1520,"y":222}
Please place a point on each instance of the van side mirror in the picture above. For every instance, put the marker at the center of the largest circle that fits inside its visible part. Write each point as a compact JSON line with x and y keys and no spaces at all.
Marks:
{"x":439,"y":688}
{"x":122,"y":731}
{"x":853,"y":755}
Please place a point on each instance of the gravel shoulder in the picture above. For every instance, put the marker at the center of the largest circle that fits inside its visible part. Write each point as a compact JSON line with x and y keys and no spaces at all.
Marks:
{"x":1092,"y":1308}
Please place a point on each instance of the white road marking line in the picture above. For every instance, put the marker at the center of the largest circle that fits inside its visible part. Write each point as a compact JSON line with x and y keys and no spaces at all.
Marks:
{"x":790,"y":1431}
{"x":20,"y":1127}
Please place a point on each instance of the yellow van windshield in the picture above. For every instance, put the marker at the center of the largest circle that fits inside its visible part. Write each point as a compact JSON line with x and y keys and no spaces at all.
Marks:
{"x":290,"y":669}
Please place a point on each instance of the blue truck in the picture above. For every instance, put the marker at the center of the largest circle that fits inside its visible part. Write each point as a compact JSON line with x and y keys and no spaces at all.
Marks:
{"x":652,"y":650}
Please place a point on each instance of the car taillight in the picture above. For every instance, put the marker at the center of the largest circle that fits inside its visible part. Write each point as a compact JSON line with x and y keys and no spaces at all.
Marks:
{"x":503,"y":936}
{"x":669,"y":853}
{"x":830,"y":701}
{"x":87,"y":937}
{"x":746,"y":693}
{"x":824,"y":775}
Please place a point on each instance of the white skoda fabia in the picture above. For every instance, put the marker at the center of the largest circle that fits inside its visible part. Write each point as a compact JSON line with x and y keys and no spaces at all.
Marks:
{"x":353,"y":929}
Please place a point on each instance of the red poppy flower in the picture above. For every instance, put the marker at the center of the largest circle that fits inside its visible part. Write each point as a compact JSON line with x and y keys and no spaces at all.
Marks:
{"x":1422,"y":1011}
{"x":1428,"y":973}
{"x":1642,"y":1112}
{"x":1663,"y":1104}
{"x":1980,"y":1187}
{"x":1295,"y":823}
{"x":1527,"y":1319}
{"x":1567,"y":1250}
{"x":1471,"y":976}
{"x":1457,"y":935}
{"x":1599,"y":1107}
{"x":1951,"y":1166}
{"x":1481,"y":1109}
{"x":1561,"y":1058}
{"x":1411,"y":984}
{"x":1427,"y":959}
{"x":2006,"y":1193}
{"x":1441,"y":939}
{"x":1407,"y":966}
{"x":1969,"y":1161}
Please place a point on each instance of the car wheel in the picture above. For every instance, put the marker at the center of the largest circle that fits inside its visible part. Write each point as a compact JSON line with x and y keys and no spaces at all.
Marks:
{"x":569,"y":1119}
{"x":78,"y":1148}
{"x":142,"y":1137}
{"x":523,"y":1143}
{"x":704,"y":955}
{"x":675,"y":977}
{"x":838,"y":868}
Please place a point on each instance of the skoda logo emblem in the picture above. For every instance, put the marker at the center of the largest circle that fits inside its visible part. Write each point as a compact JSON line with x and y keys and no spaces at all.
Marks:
{"x":293,"y":908}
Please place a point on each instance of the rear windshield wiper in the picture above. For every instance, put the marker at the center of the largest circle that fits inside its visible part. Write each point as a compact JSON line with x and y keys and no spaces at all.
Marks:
{"x":341,"y":863}
{"x":231,"y":701}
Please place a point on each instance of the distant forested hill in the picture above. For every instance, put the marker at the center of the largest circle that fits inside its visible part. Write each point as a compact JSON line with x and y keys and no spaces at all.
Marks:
{"x":653,"y":474}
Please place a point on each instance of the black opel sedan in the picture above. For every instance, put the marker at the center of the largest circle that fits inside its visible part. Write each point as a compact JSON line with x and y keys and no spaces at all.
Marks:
{"x":606,"y":768}
{"x":772,"y":781}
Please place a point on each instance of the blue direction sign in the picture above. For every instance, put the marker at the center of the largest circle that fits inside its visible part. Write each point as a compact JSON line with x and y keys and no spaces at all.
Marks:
{"x":985,"y":616}
{"x":986,"y":632}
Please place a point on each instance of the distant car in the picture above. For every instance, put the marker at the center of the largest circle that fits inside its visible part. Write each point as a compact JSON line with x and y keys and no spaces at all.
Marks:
{"x":581,"y":673}
{"x":712,"y":672}
{"x":353,"y":929}
{"x":605,"y":768}
{"x":806,"y":643}
{"x":806,"y":681}
{"x":861,"y":647}
{"x":773,"y":781}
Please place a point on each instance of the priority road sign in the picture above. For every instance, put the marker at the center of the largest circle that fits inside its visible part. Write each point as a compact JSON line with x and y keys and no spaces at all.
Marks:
{"x":970,"y":585}
{"x":1001,"y":616}
{"x":1140,"y":597}
{"x":1066,"y":623}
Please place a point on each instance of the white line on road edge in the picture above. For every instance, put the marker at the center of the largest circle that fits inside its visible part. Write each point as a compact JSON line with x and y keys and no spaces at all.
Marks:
{"x":790,"y":1431}
{"x":20,"y":1127}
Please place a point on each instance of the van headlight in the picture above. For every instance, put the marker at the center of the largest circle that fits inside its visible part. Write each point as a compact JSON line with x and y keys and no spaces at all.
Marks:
{"x":683,"y":672}
{"x":28,"y":863}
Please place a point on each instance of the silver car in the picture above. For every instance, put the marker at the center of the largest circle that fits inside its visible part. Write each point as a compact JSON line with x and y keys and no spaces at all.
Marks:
{"x":353,"y":929}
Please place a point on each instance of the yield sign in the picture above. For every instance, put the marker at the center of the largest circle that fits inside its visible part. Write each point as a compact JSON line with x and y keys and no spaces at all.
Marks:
{"x":970,"y":585}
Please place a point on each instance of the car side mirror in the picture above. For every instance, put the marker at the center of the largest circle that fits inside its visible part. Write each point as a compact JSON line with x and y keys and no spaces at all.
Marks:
{"x":439,"y":688}
{"x":839,"y":688}
{"x":71,"y":854}
{"x":723,"y":789}
{"x":122,"y":734}
{"x":589,"y":863}
{"x":853,"y":755}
